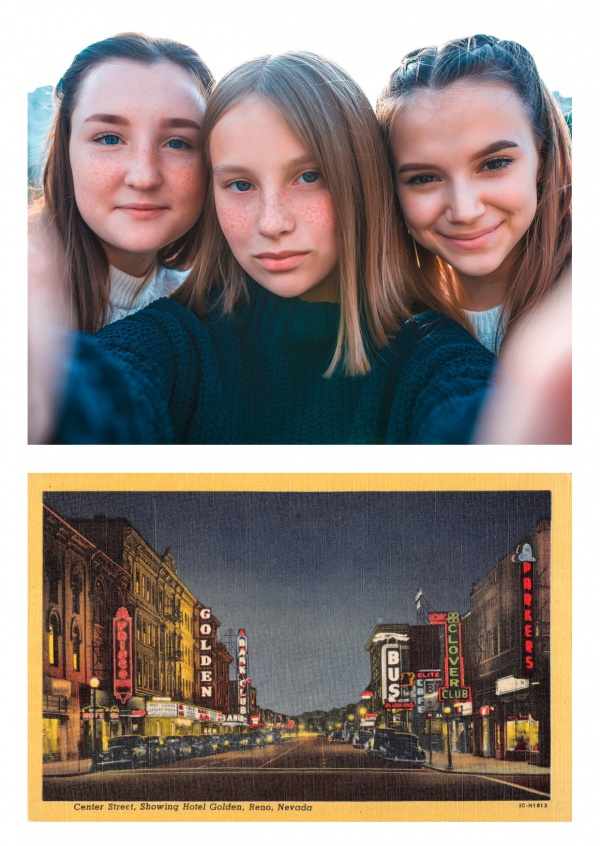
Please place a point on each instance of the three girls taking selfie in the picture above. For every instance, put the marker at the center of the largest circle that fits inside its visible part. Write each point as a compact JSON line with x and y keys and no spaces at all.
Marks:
{"x":297,"y":323}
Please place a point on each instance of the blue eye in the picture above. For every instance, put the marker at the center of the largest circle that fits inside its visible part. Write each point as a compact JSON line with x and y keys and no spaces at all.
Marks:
{"x":241,"y":186}
{"x":309,"y":177}
{"x":109,"y":139}
{"x":178,"y":144}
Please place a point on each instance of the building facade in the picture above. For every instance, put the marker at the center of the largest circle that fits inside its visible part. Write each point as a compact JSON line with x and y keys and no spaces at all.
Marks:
{"x":507,"y":644}
{"x":82,"y":589}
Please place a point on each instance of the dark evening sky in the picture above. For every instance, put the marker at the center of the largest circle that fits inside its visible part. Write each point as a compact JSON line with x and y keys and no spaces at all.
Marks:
{"x":309,"y":575}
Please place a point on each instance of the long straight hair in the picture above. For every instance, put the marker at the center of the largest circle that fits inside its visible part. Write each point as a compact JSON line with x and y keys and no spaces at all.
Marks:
{"x":334,"y":120}
{"x":545,"y":250}
{"x":87,"y":265}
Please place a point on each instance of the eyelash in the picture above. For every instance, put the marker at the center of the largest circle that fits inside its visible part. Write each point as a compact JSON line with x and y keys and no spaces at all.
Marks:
{"x":235,"y":182}
{"x":185,"y":145}
{"x":502,"y":161}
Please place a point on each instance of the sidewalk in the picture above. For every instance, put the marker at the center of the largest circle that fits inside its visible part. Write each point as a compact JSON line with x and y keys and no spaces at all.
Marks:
{"x":67,"y":768}
{"x":465,"y":763}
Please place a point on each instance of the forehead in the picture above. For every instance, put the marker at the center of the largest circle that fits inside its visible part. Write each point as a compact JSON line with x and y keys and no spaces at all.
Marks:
{"x":134,"y":85}
{"x":255,"y":125}
{"x":466,"y":114}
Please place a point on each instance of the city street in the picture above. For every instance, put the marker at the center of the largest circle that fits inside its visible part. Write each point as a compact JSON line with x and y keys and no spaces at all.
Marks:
{"x":299,"y":770}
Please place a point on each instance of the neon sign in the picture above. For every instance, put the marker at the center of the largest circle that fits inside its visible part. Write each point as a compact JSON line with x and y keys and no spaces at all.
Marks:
{"x":122,"y":656}
{"x":454,"y":690}
{"x":526,"y":559}
{"x":243,"y":680}
{"x":206,"y":673}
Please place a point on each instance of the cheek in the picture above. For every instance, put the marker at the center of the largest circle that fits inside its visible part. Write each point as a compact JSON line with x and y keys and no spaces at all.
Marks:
{"x":319,"y":216}
{"x":92,"y":180}
{"x":189,"y":185}
{"x":417,"y":211}
{"x":235,"y":222}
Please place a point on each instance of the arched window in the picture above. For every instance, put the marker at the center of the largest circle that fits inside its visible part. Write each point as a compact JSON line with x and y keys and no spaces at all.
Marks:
{"x":100,"y":603}
{"x":54,"y":633}
{"x":76,"y":646}
{"x":76,"y":588}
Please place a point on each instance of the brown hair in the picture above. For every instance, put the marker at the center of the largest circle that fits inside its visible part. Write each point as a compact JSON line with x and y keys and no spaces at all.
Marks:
{"x":546,"y":246}
{"x":88,"y":279}
{"x":334,"y":120}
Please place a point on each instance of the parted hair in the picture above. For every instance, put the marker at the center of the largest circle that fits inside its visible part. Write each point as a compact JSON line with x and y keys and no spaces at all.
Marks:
{"x":337,"y":125}
{"x":88,"y":268}
{"x":545,"y":250}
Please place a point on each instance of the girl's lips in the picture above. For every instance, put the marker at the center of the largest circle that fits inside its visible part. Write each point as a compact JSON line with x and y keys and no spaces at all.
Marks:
{"x":471,"y":241}
{"x":280,"y":261}
{"x":142,"y":212}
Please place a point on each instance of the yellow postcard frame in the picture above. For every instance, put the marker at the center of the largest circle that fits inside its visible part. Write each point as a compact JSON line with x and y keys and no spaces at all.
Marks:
{"x":556,"y":809}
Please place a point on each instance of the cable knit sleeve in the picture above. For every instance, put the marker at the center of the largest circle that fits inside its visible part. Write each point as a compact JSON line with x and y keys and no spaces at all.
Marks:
{"x":136,"y":381}
{"x":442,"y":385}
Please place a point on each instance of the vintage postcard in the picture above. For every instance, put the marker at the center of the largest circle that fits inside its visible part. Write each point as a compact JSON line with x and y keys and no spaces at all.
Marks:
{"x":276,"y":647}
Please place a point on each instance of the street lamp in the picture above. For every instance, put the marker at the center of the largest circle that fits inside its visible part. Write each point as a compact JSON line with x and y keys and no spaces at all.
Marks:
{"x":447,"y":712}
{"x":94,"y":683}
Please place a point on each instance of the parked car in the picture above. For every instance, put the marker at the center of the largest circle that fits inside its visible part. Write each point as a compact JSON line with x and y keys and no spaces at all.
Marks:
{"x":127,"y":751}
{"x":181,"y":745}
{"x":398,"y":746}
{"x":159,"y":752}
{"x":361,"y":737}
{"x":201,"y":745}
{"x":336,"y":736}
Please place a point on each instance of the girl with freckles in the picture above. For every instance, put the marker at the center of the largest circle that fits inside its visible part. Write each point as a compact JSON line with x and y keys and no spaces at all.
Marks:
{"x":480,"y":153}
{"x":293,"y":325}
{"x":124,"y":182}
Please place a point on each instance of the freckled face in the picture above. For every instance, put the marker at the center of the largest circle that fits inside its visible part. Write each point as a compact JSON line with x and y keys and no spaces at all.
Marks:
{"x":466,"y":167}
{"x":138,"y":171}
{"x":273,"y":205}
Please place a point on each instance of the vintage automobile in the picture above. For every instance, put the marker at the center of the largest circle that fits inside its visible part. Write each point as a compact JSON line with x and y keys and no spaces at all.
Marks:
{"x":397,"y":746}
{"x":201,"y":745}
{"x":181,"y":745}
{"x":127,"y":751}
{"x":336,"y":736}
{"x":159,"y":752}
{"x":361,"y":737}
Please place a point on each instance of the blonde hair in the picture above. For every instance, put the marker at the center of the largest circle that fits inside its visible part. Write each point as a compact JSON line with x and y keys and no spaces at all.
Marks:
{"x":546,"y":247}
{"x":334,"y":120}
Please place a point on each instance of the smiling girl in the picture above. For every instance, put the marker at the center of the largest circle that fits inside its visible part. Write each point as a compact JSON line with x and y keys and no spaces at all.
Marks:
{"x":125,"y":181}
{"x":291,"y":327}
{"x":481,"y":160}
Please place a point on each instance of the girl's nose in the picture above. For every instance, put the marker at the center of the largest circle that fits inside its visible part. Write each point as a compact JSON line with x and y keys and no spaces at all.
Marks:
{"x":464,"y":204}
{"x":275,"y":215}
{"x":144,"y":173}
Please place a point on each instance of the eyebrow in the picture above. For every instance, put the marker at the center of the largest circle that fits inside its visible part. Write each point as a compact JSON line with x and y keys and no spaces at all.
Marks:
{"x":119,"y":120}
{"x":495,"y":147}
{"x":291,"y":165}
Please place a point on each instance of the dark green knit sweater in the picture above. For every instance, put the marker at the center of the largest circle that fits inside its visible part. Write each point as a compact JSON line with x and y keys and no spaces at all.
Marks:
{"x":163,"y":375}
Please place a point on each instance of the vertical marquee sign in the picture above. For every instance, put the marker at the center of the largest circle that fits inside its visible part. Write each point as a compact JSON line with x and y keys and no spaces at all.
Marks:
{"x":243,"y":680}
{"x":206,"y":672}
{"x":122,"y":656}
{"x":526,"y":560}
{"x":454,"y":689}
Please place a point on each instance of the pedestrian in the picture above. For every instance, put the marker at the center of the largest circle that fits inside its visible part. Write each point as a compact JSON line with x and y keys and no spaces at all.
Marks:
{"x":293,"y":325}
{"x":124,"y":182}
{"x":480,"y":152}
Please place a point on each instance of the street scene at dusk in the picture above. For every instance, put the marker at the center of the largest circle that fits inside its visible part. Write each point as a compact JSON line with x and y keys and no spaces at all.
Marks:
{"x":266,"y":649}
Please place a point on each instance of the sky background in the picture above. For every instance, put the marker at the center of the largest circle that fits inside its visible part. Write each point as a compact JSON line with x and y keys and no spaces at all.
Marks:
{"x":309,"y":575}
{"x":367,"y":38}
